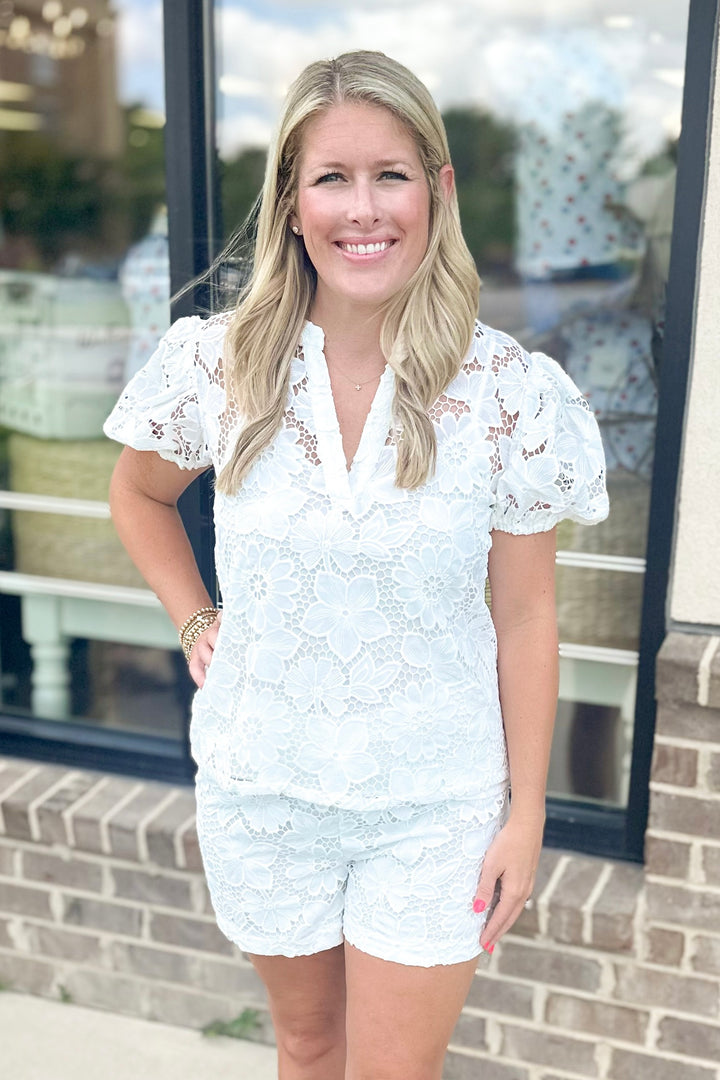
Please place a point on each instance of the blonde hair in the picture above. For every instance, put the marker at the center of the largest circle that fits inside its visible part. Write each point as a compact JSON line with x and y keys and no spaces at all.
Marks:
{"x":427,"y":326}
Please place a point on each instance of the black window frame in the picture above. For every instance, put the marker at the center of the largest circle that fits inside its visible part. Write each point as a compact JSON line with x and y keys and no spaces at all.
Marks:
{"x":194,"y":231}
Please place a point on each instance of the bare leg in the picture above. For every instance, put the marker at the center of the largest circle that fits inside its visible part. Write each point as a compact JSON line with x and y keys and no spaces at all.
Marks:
{"x":307,"y":1004}
{"x":400,"y":1018}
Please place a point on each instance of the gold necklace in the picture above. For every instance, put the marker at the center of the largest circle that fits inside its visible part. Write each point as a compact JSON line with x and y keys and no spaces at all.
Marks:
{"x":359,"y":385}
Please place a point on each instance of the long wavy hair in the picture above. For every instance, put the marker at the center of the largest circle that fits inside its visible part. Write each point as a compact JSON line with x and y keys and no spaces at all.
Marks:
{"x":427,"y":326}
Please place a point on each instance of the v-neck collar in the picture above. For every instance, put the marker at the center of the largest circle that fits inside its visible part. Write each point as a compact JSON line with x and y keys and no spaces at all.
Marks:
{"x":340,"y":482}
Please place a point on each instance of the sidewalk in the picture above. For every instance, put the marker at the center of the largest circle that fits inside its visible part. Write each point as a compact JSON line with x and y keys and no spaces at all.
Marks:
{"x":48,"y":1040}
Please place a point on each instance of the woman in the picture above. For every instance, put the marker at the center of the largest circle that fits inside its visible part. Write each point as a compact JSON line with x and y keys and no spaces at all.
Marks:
{"x":373,"y":445}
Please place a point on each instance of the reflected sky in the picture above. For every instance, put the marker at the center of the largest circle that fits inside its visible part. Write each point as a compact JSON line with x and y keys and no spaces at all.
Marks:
{"x":631,"y":54}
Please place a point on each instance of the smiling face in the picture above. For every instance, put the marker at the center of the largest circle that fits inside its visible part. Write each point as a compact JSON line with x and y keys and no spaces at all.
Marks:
{"x":363,"y":206}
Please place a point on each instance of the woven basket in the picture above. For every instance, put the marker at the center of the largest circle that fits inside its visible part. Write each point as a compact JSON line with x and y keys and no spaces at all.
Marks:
{"x":56,"y":545}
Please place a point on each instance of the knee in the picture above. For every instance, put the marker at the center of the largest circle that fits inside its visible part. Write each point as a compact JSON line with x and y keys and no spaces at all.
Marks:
{"x":307,"y":1040}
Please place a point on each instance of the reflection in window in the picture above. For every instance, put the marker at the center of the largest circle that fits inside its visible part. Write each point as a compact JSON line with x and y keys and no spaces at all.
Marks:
{"x":84,"y":287}
{"x":563,"y":126}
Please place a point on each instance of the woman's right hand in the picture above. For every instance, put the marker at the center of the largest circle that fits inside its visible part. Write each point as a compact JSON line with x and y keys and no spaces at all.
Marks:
{"x":202,"y":652}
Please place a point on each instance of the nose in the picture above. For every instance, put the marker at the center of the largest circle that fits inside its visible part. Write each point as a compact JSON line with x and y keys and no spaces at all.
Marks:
{"x":363,"y":208}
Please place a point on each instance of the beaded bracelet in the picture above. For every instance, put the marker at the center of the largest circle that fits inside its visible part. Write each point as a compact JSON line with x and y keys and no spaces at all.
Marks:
{"x":193,"y":627}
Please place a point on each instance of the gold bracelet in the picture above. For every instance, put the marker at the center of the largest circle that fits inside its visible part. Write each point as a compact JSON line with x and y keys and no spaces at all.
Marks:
{"x":200,"y":611}
{"x":193,"y":627}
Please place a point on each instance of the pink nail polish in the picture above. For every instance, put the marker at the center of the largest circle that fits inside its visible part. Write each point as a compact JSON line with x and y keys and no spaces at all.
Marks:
{"x":489,"y":948}
{"x":478,"y":906}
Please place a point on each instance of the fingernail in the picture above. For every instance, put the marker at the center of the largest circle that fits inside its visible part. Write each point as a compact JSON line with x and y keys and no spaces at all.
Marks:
{"x":478,"y":906}
{"x":489,"y":948}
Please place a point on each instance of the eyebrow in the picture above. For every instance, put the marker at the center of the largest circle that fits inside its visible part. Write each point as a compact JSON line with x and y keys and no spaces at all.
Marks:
{"x":382,"y":164}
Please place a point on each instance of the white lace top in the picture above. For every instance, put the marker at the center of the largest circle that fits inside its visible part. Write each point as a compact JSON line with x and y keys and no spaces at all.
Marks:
{"x":356,"y":660}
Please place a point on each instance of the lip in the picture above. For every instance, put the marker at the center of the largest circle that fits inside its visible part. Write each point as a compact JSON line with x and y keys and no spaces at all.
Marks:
{"x":365,"y":242}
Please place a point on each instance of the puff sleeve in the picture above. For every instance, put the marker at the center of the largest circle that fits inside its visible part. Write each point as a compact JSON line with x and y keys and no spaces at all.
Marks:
{"x":551,"y":460}
{"x":159,"y":408}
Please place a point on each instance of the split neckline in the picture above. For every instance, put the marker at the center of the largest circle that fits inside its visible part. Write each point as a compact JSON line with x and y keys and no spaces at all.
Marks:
{"x":342,"y":482}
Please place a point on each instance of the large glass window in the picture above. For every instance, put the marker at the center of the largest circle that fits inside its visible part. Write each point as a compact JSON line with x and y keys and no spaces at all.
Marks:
{"x":563,"y":122}
{"x":84,"y":296}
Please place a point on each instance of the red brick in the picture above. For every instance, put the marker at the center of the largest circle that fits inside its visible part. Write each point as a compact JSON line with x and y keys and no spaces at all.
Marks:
{"x":6,"y":942}
{"x":50,"y":813}
{"x":8,"y":860}
{"x":106,"y":990}
{"x":16,"y":806}
{"x":149,"y":888}
{"x":470,"y":1031}
{"x":677,"y":765}
{"x":683,"y":907}
{"x":26,"y":973}
{"x":677,"y":666}
{"x":190,"y":1008}
{"x":597,"y":1018}
{"x":714,"y":687}
{"x":460,"y":1067}
{"x":24,"y":900}
{"x":11,"y":770}
{"x":706,"y":955}
{"x":497,"y":995}
{"x":665,"y":946}
{"x":73,"y":872}
{"x":572,"y":890}
{"x":614,"y":910}
{"x":167,"y":964}
{"x":687,"y":1037}
{"x":712,"y":776}
{"x":648,"y":986}
{"x":101,"y":915}
{"x":62,"y":943}
{"x":685,"y":814}
{"x":545,"y":1048}
{"x":162,"y":829}
{"x":235,"y":978}
{"x":86,"y":820}
{"x":667,"y":858}
{"x":555,"y":966}
{"x":189,"y":933}
{"x":629,"y":1065}
{"x":123,"y":825}
{"x":687,"y":721}
{"x":711,"y":864}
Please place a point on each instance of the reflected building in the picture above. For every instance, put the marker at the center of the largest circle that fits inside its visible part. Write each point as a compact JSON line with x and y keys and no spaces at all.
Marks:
{"x":58,"y":74}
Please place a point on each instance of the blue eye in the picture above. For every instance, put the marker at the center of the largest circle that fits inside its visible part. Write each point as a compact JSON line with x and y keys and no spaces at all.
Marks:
{"x":393,"y":175}
{"x":328,"y":177}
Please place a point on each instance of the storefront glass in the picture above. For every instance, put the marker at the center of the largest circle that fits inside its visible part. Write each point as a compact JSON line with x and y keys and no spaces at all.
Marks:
{"x":563,"y":121}
{"x":84,"y":296}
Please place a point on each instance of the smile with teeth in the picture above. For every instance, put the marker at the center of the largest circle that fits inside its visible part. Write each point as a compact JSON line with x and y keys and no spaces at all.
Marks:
{"x":365,"y":249}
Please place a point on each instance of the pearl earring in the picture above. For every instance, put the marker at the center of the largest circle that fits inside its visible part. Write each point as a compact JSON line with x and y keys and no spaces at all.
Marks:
{"x":296,"y":229}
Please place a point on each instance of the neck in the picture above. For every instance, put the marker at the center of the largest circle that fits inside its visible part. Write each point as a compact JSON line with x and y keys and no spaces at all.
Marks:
{"x":349,"y":333}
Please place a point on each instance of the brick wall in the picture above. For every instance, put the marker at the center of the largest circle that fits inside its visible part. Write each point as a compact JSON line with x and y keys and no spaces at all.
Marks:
{"x":614,"y":974}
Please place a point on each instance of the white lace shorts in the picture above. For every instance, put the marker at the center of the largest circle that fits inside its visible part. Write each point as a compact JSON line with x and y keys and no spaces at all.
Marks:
{"x":292,"y":878}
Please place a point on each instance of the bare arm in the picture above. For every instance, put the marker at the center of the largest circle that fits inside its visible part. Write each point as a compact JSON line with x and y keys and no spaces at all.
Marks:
{"x":522,"y":582}
{"x":144,"y":491}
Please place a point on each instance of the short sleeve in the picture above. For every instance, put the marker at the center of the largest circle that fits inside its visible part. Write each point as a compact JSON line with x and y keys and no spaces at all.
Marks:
{"x":551,"y":460}
{"x":159,"y":408}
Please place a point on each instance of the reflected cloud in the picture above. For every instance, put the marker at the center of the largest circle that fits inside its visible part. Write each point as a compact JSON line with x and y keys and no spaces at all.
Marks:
{"x":469,"y":52}
{"x":527,"y":62}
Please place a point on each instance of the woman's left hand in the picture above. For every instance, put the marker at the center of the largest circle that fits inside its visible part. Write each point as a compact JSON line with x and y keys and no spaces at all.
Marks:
{"x":510,"y":864}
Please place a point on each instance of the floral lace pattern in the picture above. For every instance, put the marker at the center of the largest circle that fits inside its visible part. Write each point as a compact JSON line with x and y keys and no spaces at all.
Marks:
{"x":292,"y":878}
{"x":356,"y":661}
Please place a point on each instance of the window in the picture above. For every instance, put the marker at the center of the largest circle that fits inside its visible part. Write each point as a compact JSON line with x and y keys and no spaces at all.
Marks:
{"x":84,"y":296}
{"x":563,"y":127}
